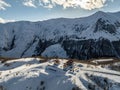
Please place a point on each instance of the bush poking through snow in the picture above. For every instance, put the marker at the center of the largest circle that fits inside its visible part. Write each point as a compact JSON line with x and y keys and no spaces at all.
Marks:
{"x":42,"y":83}
{"x":56,"y":62}
{"x":42,"y":86}
{"x":91,"y":87}
{"x":1,"y":87}
{"x":7,"y":64}
{"x":76,"y":88}
{"x":68,"y":63}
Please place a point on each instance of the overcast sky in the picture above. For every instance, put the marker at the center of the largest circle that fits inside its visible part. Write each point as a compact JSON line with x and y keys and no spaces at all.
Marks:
{"x":38,"y":10}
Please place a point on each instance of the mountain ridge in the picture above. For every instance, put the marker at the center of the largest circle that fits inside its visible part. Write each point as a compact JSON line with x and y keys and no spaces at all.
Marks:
{"x":97,"y":35}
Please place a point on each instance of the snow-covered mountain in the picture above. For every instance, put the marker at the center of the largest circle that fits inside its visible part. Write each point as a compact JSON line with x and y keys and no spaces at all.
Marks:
{"x":39,"y":74}
{"x":94,"y":36}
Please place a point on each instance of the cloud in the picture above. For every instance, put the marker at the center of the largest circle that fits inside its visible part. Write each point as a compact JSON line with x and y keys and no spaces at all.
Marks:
{"x":85,"y":4}
{"x":92,"y":4}
{"x":49,"y":6}
{"x":5,"y":21}
{"x":29,"y":3}
{"x":3,"y":5}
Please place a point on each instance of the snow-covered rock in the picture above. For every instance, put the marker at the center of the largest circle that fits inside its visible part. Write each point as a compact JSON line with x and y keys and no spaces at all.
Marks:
{"x":54,"y":51}
{"x":94,"y":36}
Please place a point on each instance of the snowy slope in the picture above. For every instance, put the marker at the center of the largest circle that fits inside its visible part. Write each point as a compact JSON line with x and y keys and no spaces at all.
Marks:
{"x":22,"y":39}
{"x":54,"y":51}
{"x":34,"y":74}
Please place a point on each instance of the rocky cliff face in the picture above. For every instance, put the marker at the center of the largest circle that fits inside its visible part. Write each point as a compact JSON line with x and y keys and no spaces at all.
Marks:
{"x":87,"y":49}
{"x":91,"y":37}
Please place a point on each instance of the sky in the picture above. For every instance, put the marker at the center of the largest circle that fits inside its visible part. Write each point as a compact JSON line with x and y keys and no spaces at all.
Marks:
{"x":39,"y":10}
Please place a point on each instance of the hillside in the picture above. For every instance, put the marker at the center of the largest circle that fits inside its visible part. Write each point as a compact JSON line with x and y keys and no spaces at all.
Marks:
{"x":89,"y":37}
{"x":58,"y":74}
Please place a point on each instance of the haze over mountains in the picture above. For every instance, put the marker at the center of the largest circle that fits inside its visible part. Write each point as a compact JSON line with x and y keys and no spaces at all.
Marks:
{"x":94,"y":36}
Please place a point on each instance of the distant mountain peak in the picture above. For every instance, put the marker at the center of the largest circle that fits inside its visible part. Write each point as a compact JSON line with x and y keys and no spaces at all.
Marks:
{"x":100,"y":14}
{"x":104,"y":16}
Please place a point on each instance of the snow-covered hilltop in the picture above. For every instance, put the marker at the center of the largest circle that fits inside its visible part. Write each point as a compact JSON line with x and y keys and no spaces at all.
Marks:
{"x":94,"y":36}
{"x":58,"y":74}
